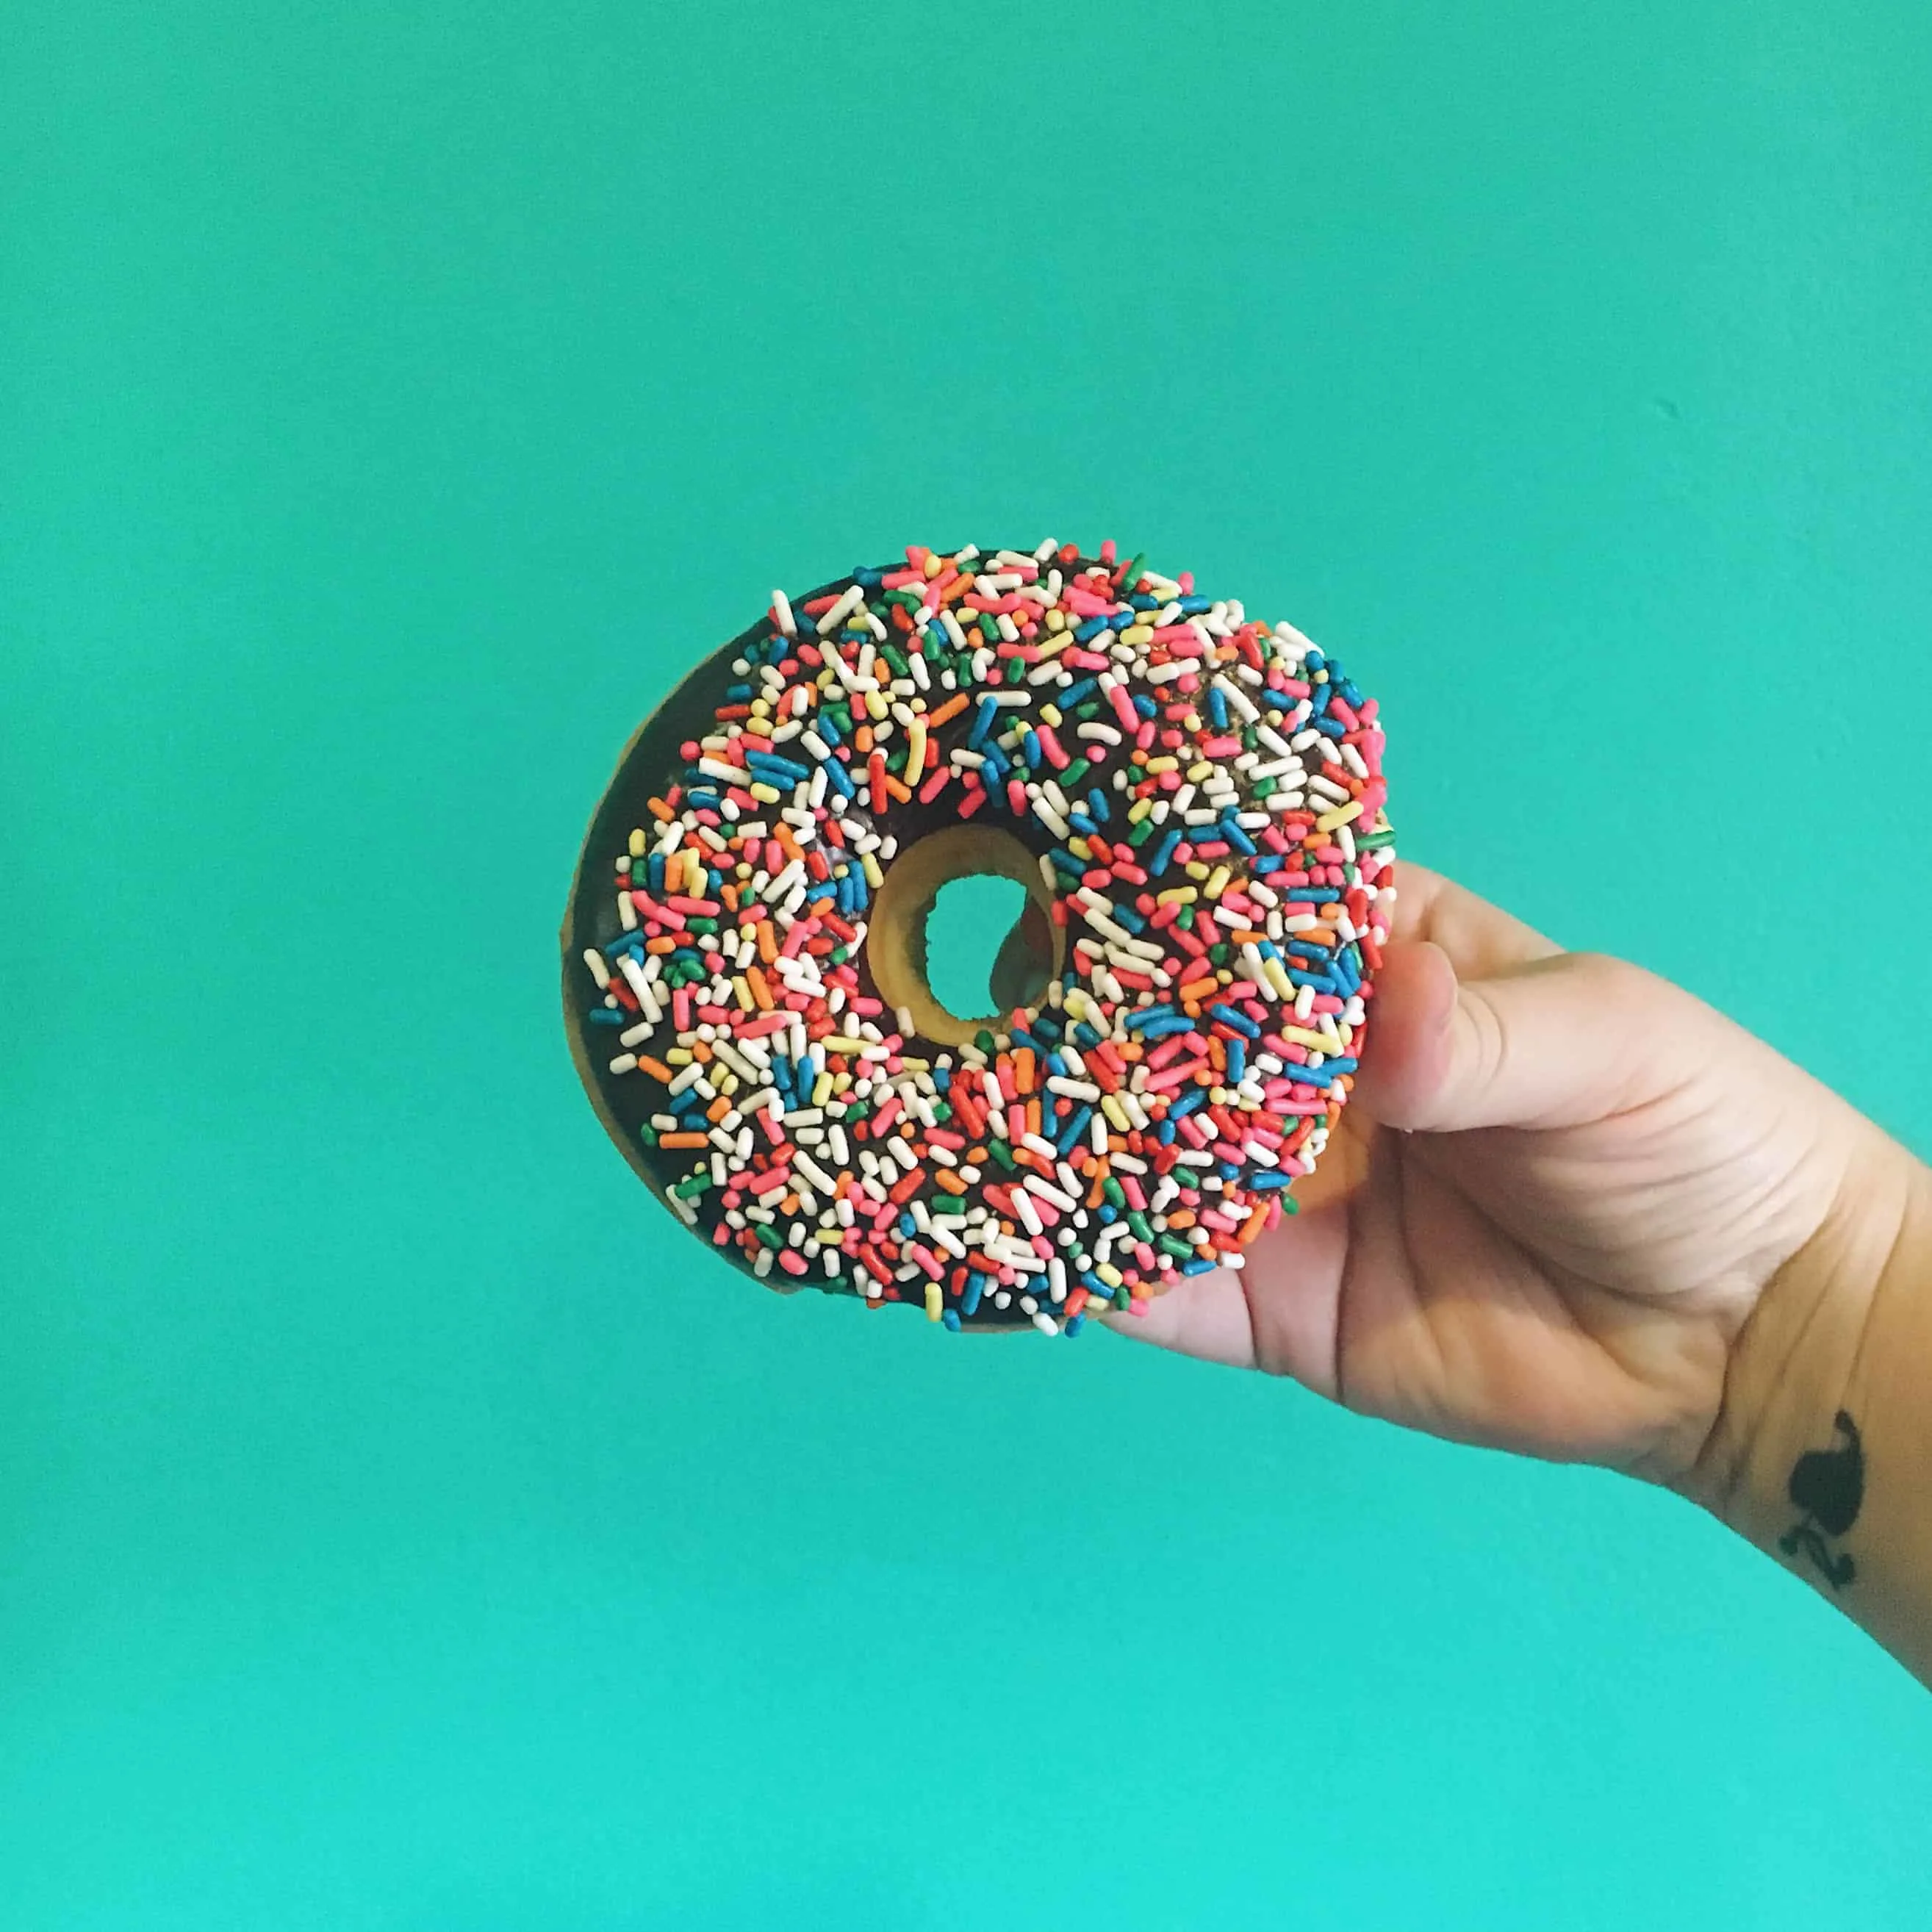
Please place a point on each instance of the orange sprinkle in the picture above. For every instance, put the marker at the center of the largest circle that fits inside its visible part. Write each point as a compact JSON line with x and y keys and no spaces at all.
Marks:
{"x":656,"y":1069}
{"x":760,"y":992}
{"x":663,"y":943}
{"x":950,"y":709}
{"x":684,"y":1140}
{"x":663,"y":814}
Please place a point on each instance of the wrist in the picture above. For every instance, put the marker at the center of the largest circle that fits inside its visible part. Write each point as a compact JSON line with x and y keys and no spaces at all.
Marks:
{"x":1794,"y":1364}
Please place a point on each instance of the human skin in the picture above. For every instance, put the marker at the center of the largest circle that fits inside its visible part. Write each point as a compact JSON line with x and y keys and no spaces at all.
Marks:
{"x":1573,"y":1212}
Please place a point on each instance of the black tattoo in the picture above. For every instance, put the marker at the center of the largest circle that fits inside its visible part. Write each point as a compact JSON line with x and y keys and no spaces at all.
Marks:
{"x":1828,"y":1485}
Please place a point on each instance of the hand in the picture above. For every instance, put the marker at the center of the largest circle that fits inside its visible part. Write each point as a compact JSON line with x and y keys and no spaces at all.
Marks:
{"x":1557,"y":1193}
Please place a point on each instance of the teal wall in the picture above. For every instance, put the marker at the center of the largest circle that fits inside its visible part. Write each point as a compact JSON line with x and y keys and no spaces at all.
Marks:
{"x":401,"y":1526}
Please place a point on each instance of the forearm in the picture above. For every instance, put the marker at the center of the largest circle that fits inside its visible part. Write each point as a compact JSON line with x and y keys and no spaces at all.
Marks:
{"x":1822,"y":1452}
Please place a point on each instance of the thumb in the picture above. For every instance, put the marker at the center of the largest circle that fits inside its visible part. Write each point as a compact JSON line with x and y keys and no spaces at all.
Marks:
{"x":1551,"y":1042}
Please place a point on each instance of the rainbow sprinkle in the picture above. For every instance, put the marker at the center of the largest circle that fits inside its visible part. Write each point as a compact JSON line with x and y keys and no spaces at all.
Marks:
{"x":1203,"y":795}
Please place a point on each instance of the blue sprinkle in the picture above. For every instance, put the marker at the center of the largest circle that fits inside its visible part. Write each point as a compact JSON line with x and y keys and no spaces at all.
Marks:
{"x":770,"y":761}
{"x":1096,"y":803}
{"x":834,"y":776}
{"x":1164,"y":853}
{"x":1092,"y":628}
{"x":1236,"y":838}
{"x":1144,"y":1017}
{"x":1201,"y":1267}
{"x":1217,"y":707}
{"x":1195,"y":1097}
{"x":983,"y":723}
{"x":608,"y":1016}
{"x":975,"y":1286}
{"x":1239,"y":1021}
{"x":1075,"y":1324}
{"x":1144,"y":705}
{"x":1237,"y":1061}
{"x":950,"y":1318}
{"x":1272,"y":1177}
{"x":1069,"y":1136}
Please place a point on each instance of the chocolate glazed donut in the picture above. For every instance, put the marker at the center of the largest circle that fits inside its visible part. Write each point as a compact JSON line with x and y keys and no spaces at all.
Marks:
{"x":1194,"y":803}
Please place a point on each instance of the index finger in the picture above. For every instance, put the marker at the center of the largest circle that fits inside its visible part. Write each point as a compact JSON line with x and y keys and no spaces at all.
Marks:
{"x":1479,"y":938}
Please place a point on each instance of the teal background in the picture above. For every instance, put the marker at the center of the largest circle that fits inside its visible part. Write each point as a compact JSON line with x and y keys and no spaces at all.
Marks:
{"x":402,"y":1526}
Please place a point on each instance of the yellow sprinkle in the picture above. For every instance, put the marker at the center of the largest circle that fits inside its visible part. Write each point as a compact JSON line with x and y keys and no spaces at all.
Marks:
{"x":1056,"y":618}
{"x":1330,"y":821}
{"x":766,"y":794}
{"x":838,"y":1043}
{"x":1139,"y":810}
{"x":869,"y":863}
{"x":1197,"y":868}
{"x":1163,"y":764}
{"x":1110,"y":1274}
{"x":677,"y":1056}
{"x":726,"y":1082}
{"x":1217,"y":882}
{"x":1052,"y":647}
{"x":1110,"y":1106}
{"x":935,"y":564}
{"x":1137,"y":634}
{"x":1080,"y":850}
{"x":636,"y":845}
{"x":1200,"y":773}
{"x":934,"y":1301}
{"x":821,"y":1089}
{"x":915,"y":750}
{"x":1179,"y":895}
{"x":738,"y":985}
{"x":1049,"y":715}
{"x":1277,"y":978}
{"x":876,"y":706}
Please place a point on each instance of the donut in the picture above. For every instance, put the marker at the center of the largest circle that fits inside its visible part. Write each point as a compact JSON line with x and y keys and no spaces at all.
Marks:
{"x":1194,"y":803}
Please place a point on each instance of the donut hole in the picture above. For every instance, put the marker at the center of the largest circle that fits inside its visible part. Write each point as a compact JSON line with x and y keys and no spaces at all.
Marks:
{"x":967,"y":865}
